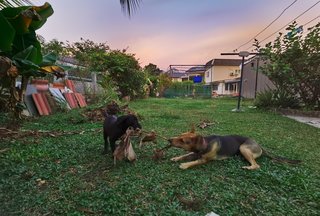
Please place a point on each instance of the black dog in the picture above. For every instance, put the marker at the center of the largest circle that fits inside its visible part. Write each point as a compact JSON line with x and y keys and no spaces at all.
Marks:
{"x":114,"y":127}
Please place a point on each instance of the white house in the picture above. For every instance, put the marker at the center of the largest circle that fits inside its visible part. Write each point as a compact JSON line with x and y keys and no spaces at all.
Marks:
{"x":223,"y":75}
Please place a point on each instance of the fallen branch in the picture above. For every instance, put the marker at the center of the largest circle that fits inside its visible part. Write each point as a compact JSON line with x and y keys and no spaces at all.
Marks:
{"x":204,"y":124}
{"x":7,"y":133}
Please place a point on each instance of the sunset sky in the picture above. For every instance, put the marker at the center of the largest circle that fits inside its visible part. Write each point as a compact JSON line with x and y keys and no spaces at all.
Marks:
{"x":165,"y":32}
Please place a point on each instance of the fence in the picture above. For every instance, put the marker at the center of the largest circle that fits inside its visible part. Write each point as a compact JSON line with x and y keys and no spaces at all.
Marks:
{"x":86,"y":85}
{"x":189,"y":90}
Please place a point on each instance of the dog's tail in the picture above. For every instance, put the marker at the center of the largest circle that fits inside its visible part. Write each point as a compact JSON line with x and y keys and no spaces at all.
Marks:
{"x":280,"y":159}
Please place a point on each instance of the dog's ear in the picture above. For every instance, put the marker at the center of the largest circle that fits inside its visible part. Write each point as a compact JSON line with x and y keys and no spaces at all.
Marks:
{"x":193,"y":130}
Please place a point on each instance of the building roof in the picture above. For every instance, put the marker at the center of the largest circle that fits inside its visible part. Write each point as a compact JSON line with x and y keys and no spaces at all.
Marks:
{"x":68,"y":59}
{"x":198,"y":69}
{"x":223,"y":62}
{"x":177,"y":75}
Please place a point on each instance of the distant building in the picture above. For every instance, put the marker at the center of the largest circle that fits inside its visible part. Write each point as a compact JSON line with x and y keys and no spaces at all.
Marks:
{"x":223,"y":75}
{"x":177,"y":76}
{"x":196,"y":73}
{"x":253,"y":82}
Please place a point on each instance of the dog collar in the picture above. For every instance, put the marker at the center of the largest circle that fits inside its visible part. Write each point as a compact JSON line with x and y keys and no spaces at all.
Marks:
{"x":205,"y":146}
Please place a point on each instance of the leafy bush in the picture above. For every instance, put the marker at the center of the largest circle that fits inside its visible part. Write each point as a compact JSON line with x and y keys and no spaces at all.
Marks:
{"x":125,"y":71}
{"x":110,"y":91}
{"x":276,"y":99}
{"x":264,"y":99}
{"x":293,"y":66}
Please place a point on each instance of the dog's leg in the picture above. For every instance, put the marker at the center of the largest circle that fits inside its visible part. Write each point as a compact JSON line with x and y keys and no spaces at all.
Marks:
{"x":106,"y":145}
{"x":250,"y":152}
{"x":193,"y":163}
{"x":112,"y":144}
{"x":182,"y":157}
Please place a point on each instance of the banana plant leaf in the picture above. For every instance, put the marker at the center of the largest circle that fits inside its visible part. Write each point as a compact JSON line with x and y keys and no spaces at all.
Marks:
{"x":25,"y":65}
{"x":7,"y":35}
{"x":31,"y":54}
{"x":52,"y":69}
{"x":49,"y":65}
{"x":22,"y":42}
{"x":44,"y":12}
{"x":21,"y":22}
{"x":49,"y":59}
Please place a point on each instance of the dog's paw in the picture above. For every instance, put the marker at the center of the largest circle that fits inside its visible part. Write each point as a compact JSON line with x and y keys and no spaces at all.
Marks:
{"x":252,"y":167}
{"x":184,"y":166}
{"x":175,"y":159}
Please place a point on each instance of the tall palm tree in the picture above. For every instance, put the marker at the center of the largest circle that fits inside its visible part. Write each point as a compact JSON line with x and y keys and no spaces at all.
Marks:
{"x":128,"y":6}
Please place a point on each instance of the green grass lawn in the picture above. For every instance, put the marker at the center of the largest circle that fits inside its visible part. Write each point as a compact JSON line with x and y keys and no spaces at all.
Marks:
{"x":78,"y":180}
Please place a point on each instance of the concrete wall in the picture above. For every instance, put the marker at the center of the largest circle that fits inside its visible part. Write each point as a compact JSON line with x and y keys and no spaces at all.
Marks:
{"x":249,"y":79}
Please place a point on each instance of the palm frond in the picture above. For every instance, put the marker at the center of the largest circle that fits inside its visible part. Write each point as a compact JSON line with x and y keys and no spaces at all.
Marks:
{"x":14,"y":3}
{"x":129,"y":6}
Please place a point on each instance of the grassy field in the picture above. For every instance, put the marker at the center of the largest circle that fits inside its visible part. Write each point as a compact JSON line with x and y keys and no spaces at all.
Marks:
{"x":67,"y":175}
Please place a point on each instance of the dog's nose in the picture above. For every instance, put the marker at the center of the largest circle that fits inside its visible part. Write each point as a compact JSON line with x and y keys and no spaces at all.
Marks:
{"x":170,"y":140}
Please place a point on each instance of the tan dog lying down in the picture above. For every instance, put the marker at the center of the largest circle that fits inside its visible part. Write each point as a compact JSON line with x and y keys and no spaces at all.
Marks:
{"x":205,"y":149}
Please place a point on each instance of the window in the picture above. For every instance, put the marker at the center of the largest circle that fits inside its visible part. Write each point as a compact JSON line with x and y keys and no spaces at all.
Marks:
{"x":207,"y":74}
{"x":230,"y":86}
{"x":215,"y":87}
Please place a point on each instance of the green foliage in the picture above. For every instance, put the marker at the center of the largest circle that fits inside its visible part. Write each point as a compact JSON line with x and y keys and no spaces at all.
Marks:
{"x":125,"y":72}
{"x":81,"y":181}
{"x":54,"y":46}
{"x":276,"y":99}
{"x":153,"y":73}
{"x":89,"y":53}
{"x":293,"y":64}
{"x":164,"y":83}
{"x":110,"y":90}
{"x":152,"y":70}
{"x":19,"y":44}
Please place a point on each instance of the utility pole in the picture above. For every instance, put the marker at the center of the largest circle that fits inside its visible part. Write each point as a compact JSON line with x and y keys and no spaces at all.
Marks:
{"x":257,"y":73}
{"x":242,"y":54}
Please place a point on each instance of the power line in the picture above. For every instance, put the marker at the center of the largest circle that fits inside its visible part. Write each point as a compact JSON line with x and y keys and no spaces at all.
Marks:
{"x":288,"y":23}
{"x":268,"y":25}
{"x":311,"y":20}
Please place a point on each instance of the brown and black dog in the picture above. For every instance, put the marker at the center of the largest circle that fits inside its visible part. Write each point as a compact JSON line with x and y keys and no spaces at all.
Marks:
{"x":204,"y":149}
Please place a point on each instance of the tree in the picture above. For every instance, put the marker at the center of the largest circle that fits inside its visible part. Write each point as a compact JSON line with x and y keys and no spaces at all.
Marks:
{"x":164,"y":83}
{"x":89,"y":53}
{"x":128,"y":6}
{"x":125,"y":71}
{"x":294,"y":64}
{"x":152,"y":69}
{"x":54,"y":46}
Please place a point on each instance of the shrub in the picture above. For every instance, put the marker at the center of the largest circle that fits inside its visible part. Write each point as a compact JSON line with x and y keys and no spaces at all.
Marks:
{"x":276,"y":99}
